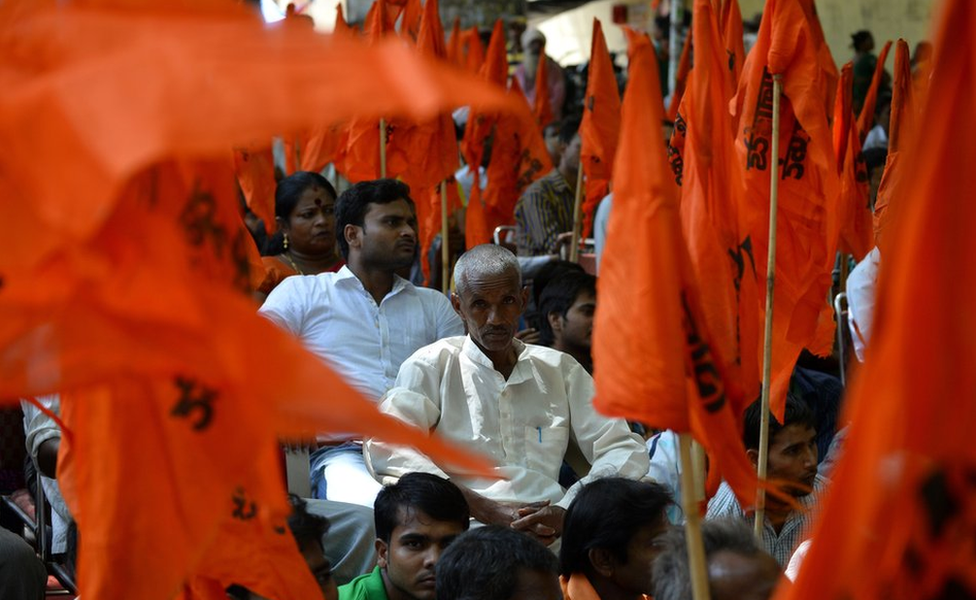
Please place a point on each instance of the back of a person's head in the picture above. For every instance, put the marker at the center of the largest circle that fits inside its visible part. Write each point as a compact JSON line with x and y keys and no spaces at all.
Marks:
{"x":605,"y":515}
{"x":434,"y":496}
{"x":548,"y":272}
{"x":558,"y":297}
{"x":484,"y":564}
{"x":305,"y":527}
{"x":353,"y":204}
{"x":797,"y":413}
{"x":672,"y":574}
{"x":568,"y":128}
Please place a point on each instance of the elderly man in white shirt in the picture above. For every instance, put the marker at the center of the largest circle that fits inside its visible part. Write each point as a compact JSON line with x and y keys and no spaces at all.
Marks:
{"x":364,"y":321}
{"x":521,"y":405}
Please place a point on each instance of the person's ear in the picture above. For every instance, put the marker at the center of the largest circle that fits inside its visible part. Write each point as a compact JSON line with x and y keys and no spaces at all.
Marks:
{"x":456,"y":303}
{"x":282,"y":224}
{"x":753,"y":456}
{"x":602,"y":560}
{"x":353,"y":235}
{"x":555,"y":321}
{"x":525,"y":297}
{"x":381,"y":550}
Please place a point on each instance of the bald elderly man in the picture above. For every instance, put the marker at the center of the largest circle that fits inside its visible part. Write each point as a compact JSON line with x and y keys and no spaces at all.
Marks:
{"x":519,"y":404}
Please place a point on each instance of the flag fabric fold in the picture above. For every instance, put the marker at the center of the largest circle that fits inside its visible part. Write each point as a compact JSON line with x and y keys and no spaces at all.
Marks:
{"x":658,"y":366}
{"x":910,"y":453}
{"x":791,"y":45}
{"x":600,"y":126}
{"x":853,"y":207}
{"x":865,"y":121}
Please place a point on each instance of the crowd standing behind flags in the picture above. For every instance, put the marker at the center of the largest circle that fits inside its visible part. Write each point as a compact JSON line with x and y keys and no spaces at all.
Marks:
{"x":186,"y":193}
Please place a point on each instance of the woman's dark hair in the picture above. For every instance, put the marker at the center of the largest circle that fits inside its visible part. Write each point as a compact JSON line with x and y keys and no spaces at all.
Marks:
{"x":606,"y":514}
{"x":287,"y":193}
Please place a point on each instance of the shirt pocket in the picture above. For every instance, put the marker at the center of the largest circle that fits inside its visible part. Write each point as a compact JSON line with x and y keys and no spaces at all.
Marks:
{"x":545,"y":447}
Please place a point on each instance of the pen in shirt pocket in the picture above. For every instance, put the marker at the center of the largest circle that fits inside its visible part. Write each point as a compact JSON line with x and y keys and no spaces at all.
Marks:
{"x":539,"y":429}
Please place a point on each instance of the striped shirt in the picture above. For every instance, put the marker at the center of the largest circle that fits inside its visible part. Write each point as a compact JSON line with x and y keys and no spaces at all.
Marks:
{"x":796,"y":529}
{"x":543,"y":212}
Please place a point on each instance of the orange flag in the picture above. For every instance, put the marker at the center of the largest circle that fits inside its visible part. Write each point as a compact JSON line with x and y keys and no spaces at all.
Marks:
{"x":341,"y":27}
{"x":454,"y":55}
{"x":711,"y":197}
{"x":410,"y":20}
{"x":791,"y":45}
{"x":473,"y":50}
{"x":731,"y":26}
{"x":126,"y":285}
{"x":255,"y":174}
{"x":900,"y":519}
{"x":900,"y":128}
{"x":865,"y":121}
{"x":478,"y":228}
{"x":658,"y":366}
{"x":684,"y":66}
{"x":853,"y":207}
{"x":600,"y":126}
{"x":543,"y":106}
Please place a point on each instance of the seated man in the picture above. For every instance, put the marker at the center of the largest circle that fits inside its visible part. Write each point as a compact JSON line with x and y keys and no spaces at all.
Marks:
{"x":22,"y":574}
{"x":738,"y":569}
{"x":609,"y":539}
{"x":416,"y":519}
{"x":364,"y":320}
{"x":520,"y":405}
{"x":546,"y":207}
{"x":566,"y":312}
{"x":497,"y":563}
{"x":792,"y":462}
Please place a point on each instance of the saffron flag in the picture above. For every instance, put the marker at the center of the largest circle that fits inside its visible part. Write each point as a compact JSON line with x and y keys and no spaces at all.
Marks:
{"x":865,"y":121}
{"x":600,"y":126}
{"x":341,"y":26}
{"x":454,"y":55}
{"x":684,"y":67}
{"x":542,"y":109}
{"x":900,"y":519}
{"x":791,"y":46}
{"x":711,"y":197}
{"x":473,"y":50}
{"x":654,"y":359}
{"x":410,"y":20}
{"x":853,"y":207}
{"x":900,"y":128}
{"x":128,"y":284}
{"x":732,"y":33}
{"x":255,"y":174}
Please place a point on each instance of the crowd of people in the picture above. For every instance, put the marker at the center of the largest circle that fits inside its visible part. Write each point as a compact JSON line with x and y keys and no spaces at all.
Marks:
{"x":580,"y":505}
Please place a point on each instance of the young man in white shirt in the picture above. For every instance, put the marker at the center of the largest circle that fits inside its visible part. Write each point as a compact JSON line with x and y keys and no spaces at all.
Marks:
{"x":521,"y":405}
{"x":364,"y":320}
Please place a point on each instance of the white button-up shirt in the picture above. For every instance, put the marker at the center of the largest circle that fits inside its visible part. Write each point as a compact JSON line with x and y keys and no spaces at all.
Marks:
{"x":524,"y":424}
{"x":338,"y":320}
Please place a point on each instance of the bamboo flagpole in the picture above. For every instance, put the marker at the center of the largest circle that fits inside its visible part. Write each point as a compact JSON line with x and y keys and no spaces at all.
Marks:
{"x":383,"y":148}
{"x":693,"y":537}
{"x":445,"y":247}
{"x":768,"y":331}
{"x":577,"y":216}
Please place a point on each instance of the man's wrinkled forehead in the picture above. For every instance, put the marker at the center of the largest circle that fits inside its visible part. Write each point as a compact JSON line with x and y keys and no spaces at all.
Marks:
{"x":482,"y":282}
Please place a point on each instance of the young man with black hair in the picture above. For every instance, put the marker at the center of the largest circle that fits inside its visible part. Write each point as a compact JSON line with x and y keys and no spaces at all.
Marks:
{"x":545,"y":209}
{"x":497,"y":563}
{"x":566,"y":311}
{"x":791,"y":464}
{"x":416,"y":519}
{"x":610,"y":539}
{"x":364,"y":320}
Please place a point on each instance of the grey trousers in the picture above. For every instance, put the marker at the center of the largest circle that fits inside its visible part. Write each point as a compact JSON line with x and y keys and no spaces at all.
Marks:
{"x":22,"y":574}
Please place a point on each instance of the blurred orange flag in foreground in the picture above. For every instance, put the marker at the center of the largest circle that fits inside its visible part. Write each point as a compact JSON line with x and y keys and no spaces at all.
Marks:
{"x":900,"y":518}
{"x":126,"y":280}
{"x":791,"y":45}
{"x":654,"y":361}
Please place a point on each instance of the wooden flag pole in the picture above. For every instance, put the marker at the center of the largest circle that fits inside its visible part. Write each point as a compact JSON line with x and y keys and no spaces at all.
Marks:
{"x":382,"y":147}
{"x":693,"y":537}
{"x":768,"y":332}
{"x":445,"y":246}
{"x":577,"y":216}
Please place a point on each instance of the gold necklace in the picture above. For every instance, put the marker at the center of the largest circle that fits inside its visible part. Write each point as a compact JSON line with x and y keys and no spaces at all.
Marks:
{"x":292,"y":263}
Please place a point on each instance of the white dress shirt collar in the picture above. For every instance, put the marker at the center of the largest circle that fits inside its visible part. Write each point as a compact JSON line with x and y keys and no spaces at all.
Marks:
{"x":345,"y":276}
{"x":524,"y":368}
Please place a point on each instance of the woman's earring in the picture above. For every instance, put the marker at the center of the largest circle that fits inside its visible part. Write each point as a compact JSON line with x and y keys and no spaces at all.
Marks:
{"x":286,"y":241}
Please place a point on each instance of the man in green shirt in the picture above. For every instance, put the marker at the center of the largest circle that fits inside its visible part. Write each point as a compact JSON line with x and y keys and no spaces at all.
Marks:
{"x":416,"y":519}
